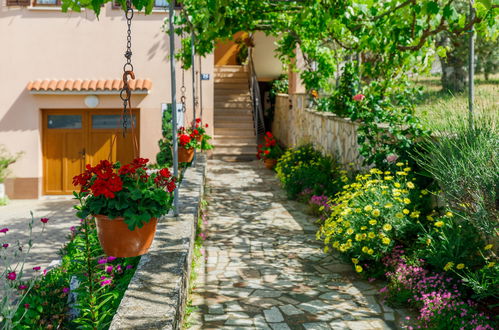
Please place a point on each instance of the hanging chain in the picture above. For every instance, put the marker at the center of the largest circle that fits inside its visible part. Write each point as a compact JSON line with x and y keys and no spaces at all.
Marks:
{"x":182,"y":91}
{"x":126,"y":93}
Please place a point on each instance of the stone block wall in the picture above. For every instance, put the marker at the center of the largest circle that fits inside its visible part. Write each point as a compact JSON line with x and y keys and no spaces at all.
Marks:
{"x":294,"y":124}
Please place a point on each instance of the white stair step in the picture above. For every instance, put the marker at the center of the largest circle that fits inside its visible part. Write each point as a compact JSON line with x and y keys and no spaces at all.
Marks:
{"x":230,"y":80}
{"x":233,"y":105}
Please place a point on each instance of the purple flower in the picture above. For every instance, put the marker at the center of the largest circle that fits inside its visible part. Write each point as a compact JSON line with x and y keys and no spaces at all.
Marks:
{"x":5,"y":245}
{"x":65,"y":290}
{"x":23,"y":287}
{"x":102,"y":261}
{"x":26,"y":306}
{"x":109,"y":269}
{"x":37,"y":268}
{"x":4,"y":230}
{"x":44,"y":220}
{"x":105,"y":282}
{"x":129,"y":266}
{"x":11,"y":276}
{"x":110,"y":259}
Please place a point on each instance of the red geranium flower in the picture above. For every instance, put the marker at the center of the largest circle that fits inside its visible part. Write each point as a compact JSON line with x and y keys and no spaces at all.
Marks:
{"x":358,"y":97}
{"x":184,"y":139}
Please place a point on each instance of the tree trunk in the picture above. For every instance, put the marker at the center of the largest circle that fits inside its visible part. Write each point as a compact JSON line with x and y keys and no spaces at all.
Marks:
{"x":454,"y":73}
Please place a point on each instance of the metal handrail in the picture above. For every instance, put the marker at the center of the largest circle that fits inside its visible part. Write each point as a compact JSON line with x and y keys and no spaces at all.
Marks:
{"x":258,"y":122}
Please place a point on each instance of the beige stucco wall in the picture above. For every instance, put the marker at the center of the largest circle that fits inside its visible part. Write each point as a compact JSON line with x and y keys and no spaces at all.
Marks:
{"x":48,"y":44}
{"x":267,"y":65}
{"x":296,"y":125}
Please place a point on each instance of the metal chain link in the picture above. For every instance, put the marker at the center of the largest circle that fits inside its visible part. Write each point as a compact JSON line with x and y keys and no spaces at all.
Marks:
{"x":125,"y":93}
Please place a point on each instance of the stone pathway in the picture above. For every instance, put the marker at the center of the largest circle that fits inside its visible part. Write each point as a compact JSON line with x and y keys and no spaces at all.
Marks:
{"x":46,"y":245}
{"x":264,"y":269}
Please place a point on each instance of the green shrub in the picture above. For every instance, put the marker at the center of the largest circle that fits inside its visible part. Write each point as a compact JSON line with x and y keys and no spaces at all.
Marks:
{"x":465,"y":164}
{"x":164,"y":157}
{"x":371,"y":215}
{"x":6,"y":159}
{"x":304,"y":168}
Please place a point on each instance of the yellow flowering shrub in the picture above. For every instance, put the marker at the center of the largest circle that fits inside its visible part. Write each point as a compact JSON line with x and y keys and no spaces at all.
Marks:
{"x":371,"y":214}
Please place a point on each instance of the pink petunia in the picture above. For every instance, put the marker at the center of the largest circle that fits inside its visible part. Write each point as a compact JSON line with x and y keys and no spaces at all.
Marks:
{"x":105,"y":282}
{"x":109,"y":269}
{"x":110,"y":258}
{"x":11,"y":276}
{"x":4,"y":230}
{"x":44,"y":220}
{"x":102,"y":261}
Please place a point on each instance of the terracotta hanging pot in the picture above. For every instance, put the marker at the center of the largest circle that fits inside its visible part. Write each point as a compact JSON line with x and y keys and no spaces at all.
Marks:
{"x":199,"y":138}
{"x":185,"y":155}
{"x":270,"y":163}
{"x":119,"y":241}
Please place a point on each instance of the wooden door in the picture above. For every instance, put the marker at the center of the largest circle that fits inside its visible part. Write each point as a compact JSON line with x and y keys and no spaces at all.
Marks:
{"x":74,"y":138}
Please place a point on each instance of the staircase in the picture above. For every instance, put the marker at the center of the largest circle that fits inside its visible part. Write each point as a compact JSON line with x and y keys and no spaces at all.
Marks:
{"x":234,"y":138}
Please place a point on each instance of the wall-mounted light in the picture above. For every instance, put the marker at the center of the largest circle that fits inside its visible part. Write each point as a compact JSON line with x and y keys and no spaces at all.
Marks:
{"x":91,"y":101}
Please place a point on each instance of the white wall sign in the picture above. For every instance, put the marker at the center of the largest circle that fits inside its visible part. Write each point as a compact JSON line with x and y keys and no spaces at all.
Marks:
{"x":180,"y":113}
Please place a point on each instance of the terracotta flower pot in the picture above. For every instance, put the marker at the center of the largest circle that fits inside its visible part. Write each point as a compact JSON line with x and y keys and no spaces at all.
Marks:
{"x":199,"y":138}
{"x":119,"y":241}
{"x":185,"y":155}
{"x":270,"y":163}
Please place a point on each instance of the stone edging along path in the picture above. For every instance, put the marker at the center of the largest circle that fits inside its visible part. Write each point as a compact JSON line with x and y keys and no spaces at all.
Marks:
{"x":156,"y":295}
{"x":264,"y":268}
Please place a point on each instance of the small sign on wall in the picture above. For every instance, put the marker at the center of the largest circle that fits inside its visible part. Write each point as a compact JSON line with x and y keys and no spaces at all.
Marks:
{"x":180,"y":112}
{"x":205,"y":76}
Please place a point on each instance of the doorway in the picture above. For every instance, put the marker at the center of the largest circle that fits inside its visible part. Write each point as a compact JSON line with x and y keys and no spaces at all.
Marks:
{"x":74,"y":138}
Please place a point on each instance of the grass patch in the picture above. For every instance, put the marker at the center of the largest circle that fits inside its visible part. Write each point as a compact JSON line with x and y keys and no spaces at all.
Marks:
{"x":435,"y":106}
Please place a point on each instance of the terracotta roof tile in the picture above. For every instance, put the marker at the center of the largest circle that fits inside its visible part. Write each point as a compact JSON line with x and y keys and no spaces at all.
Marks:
{"x":87,"y":85}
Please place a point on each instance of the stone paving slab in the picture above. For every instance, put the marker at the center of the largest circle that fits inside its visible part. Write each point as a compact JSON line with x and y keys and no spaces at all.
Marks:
{"x":46,"y":244}
{"x":264,"y":269}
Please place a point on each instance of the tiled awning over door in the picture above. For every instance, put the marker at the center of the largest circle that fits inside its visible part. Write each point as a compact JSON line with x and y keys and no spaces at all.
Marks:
{"x":99,"y":85}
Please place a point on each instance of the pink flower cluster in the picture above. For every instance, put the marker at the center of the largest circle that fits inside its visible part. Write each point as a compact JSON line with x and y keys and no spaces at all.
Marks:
{"x":436,"y":296}
{"x":320,"y":200}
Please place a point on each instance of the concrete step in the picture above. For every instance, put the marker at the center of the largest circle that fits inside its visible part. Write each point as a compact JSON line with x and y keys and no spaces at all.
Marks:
{"x":230,"y":68}
{"x":235,"y":150}
{"x":232,"y":98}
{"x":232,"y":92}
{"x":235,"y":158}
{"x":243,"y":132}
{"x":218,"y":120}
{"x":232,"y":86}
{"x":234,"y":139}
{"x":244,"y":124}
{"x":229,"y":80}
{"x":233,"y":112}
{"x":234,"y":105}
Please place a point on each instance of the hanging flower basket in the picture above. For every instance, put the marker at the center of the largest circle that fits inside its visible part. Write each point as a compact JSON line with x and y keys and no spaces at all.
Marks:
{"x":126,"y":202}
{"x":185,"y":155}
{"x":118,"y":241}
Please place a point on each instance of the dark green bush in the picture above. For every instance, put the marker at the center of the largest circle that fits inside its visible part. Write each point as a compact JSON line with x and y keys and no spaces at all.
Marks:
{"x":303,"y":169}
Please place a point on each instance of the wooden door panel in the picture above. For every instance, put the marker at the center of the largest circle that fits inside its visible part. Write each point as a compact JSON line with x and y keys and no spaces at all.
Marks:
{"x":53,"y":163}
{"x":74,"y":158}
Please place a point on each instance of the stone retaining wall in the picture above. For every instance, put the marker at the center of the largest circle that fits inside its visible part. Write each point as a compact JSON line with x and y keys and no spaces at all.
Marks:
{"x":156,"y":296}
{"x":295,"y":125}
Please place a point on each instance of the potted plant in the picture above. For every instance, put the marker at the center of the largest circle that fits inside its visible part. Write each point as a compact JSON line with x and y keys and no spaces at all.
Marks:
{"x":6,"y":159}
{"x":187,"y":143}
{"x":270,"y":152}
{"x":126,"y":202}
{"x":199,"y":133}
